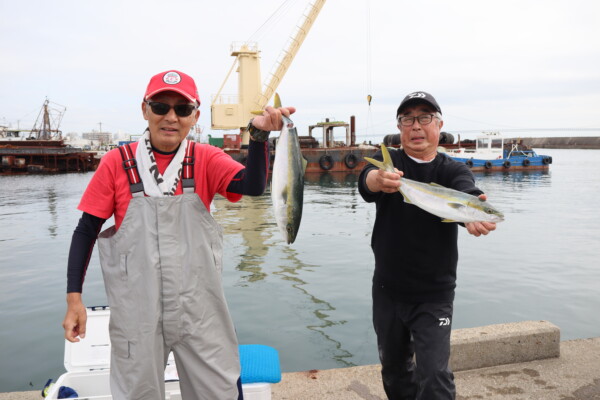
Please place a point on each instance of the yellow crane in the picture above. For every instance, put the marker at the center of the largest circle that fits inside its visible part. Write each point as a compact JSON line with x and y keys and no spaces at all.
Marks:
{"x":234,"y":112}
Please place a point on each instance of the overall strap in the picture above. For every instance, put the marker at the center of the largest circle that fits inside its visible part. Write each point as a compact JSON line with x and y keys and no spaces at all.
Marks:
{"x":130,"y":165}
{"x":187,"y":181}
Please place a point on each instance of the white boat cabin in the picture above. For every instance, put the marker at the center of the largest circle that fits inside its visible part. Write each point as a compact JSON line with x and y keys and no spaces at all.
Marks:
{"x":488,"y":146}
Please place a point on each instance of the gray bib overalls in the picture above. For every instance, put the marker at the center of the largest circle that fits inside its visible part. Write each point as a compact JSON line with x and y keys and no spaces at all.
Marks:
{"x":162,"y":274}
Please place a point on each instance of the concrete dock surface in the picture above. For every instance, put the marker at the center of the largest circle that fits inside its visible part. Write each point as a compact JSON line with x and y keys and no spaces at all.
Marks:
{"x":568,"y":370}
{"x":575,"y":375}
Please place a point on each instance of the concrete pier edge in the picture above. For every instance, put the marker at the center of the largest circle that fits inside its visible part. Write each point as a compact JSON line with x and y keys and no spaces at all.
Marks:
{"x":499,"y":344}
{"x":522,"y":360}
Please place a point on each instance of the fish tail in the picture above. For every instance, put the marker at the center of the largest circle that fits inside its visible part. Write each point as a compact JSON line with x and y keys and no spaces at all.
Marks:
{"x":378,"y":164}
{"x":386,"y":164}
{"x":277,"y":101}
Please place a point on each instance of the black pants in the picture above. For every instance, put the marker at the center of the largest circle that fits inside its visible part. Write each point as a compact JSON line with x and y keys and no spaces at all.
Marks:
{"x":405,"y":330}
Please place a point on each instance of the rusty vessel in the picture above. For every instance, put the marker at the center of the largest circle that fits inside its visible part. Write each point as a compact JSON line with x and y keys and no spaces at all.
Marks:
{"x":328,"y":155}
{"x":42,"y":149}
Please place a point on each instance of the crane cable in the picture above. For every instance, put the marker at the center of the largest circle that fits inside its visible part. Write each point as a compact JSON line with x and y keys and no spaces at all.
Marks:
{"x":275,"y":17}
{"x":369,"y":71}
{"x":284,"y":7}
{"x":269,"y":25}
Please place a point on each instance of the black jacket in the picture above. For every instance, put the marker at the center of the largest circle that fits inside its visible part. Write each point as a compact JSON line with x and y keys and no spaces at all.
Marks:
{"x":415,"y":253}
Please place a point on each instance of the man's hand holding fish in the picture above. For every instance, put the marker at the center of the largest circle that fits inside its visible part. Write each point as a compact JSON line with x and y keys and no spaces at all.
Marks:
{"x":381,"y":180}
{"x":270,"y":119}
{"x":480,"y":228}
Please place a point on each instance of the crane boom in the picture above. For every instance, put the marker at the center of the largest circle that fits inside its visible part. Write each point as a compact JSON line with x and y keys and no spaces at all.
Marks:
{"x":236,"y":114}
{"x":288,"y":54}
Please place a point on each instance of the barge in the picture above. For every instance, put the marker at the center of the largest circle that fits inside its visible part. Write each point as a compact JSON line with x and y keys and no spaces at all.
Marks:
{"x":42,"y":150}
{"x":20,"y":157}
{"x":325,"y":156}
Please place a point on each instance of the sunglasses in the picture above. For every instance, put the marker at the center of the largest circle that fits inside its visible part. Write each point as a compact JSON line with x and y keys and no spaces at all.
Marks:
{"x":181,"y":110}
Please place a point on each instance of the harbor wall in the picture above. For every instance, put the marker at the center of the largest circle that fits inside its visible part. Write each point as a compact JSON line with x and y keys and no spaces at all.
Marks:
{"x":566,"y":142}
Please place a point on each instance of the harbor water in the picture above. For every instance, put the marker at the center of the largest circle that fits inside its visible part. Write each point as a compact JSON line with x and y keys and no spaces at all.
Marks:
{"x":311,"y":300}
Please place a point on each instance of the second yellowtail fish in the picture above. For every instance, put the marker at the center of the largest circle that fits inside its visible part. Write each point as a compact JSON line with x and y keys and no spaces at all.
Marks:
{"x":449,"y":204}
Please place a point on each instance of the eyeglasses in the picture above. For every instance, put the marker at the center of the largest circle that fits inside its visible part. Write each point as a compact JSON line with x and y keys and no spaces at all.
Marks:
{"x":424,"y":119}
{"x":181,"y":110}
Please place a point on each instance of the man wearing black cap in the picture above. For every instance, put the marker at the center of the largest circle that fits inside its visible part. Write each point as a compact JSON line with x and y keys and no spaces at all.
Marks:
{"x":415,"y":258}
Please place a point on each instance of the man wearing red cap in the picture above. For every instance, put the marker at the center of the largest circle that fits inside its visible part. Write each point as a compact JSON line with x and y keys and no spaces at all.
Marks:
{"x":161,"y":261}
{"x":416,"y":257}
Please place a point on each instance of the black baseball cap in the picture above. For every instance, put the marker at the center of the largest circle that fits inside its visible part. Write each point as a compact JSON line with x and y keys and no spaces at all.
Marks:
{"x":418,"y":97}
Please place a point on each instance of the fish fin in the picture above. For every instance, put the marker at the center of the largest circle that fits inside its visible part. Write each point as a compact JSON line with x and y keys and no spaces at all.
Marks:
{"x":304,"y":164}
{"x":456,"y":206}
{"x":406,"y":199}
{"x":257,"y":112}
{"x":448,"y":220}
{"x":435,"y":184}
{"x":277,"y":101}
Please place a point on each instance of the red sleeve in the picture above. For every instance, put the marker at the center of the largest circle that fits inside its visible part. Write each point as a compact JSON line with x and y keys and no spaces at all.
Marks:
{"x":216,"y":169}
{"x":108,"y":192}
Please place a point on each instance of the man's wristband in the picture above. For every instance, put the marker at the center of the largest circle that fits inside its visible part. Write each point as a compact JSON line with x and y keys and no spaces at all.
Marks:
{"x":256,"y":134}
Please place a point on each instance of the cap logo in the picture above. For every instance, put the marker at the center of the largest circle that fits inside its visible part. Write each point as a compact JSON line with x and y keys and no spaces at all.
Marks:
{"x":417,"y":95}
{"x":172,"y":78}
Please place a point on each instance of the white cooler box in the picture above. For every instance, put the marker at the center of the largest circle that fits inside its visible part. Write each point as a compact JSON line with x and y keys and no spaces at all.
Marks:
{"x":87,"y":363}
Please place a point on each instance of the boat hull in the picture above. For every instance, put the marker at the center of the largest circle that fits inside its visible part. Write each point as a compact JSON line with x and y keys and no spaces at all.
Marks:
{"x":43,"y":156}
{"x":520,"y":163}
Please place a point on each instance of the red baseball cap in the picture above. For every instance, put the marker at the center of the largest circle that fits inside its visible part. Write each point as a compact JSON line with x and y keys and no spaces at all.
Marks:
{"x":174,"y":81}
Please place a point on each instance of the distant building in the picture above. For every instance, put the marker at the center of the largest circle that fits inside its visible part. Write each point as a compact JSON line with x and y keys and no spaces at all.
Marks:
{"x":102,"y":137}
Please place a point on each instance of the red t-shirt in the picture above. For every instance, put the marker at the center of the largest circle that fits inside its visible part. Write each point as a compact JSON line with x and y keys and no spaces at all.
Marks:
{"x":108,"y":192}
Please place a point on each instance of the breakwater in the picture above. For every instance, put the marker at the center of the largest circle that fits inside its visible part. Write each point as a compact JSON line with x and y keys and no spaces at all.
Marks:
{"x":566,"y":142}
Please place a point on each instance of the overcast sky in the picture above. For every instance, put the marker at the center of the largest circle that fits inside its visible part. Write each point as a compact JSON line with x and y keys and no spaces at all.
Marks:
{"x":492,"y":65}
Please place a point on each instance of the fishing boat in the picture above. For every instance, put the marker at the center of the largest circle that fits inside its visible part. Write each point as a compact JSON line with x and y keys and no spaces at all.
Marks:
{"x":42,"y":149}
{"x":492,"y":153}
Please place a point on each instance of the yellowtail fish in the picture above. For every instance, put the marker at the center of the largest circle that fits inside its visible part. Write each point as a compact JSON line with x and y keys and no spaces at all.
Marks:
{"x":448,"y":204}
{"x":287,"y":181}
